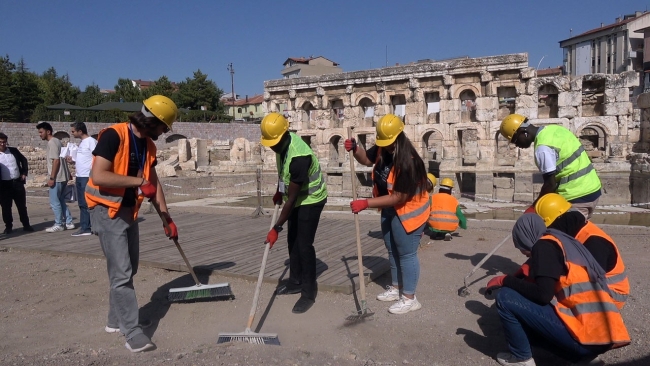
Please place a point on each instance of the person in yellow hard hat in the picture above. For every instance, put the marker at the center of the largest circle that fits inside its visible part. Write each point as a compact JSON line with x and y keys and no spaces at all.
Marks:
{"x":558,"y":214}
{"x":446,"y":215}
{"x":400,"y":191}
{"x":560,"y":157}
{"x":302,"y":187}
{"x":123,"y":174}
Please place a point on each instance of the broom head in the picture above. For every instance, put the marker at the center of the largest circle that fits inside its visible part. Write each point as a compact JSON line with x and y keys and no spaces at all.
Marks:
{"x":218,"y":291}
{"x":250,"y":337}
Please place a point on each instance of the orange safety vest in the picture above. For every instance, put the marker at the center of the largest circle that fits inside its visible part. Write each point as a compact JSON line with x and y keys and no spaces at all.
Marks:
{"x":617,"y":277}
{"x":414,"y":212}
{"x":443,"y":212}
{"x":112,"y":197}
{"x":588,"y":311}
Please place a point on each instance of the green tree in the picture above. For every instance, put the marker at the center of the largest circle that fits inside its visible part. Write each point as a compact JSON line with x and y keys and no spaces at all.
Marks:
{"x":199,"y":92}
{"x":161,"y":86}
{"x":57,"y":89}
{"x":26,"y":92}
{"x":91,"y":96}
{"x":6,"y":96}
{"x":125,"y":91}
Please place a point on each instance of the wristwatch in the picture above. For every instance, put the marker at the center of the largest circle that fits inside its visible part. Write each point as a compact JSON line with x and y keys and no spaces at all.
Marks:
{"x":51,"y":178}
{"x":278,"y":228}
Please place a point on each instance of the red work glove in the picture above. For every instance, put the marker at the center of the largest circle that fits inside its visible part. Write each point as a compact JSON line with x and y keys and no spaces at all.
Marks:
{"x":495,"y":283}
{"x":148,"y":190}
{"x":172,"y":233}
{"x":277,"y":198}
{"x":530,"y":209}
{"x":523,"y":271}
{"x":358,"y":205}
{"x":271,"y":237}
{"x":351,"y":144}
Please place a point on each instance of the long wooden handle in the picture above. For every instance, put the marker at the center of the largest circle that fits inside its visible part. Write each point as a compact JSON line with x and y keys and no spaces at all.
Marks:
{"x":353,"y":174}
{"x":260,"y":277}
{"x":178,"y":246}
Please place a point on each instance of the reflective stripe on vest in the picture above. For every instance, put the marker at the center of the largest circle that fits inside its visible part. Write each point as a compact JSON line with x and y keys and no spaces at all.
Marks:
{"x":443,"y":212}
{"x":312,"y":191}
{"x":588,"y":312}
{"x":575,"y":174}
{"x":112,"y":197}
{"x":414,"y":212}
{"x":617,"y":276}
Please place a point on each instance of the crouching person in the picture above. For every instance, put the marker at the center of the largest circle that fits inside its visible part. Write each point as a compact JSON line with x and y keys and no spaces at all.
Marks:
{"x":446,"y":215}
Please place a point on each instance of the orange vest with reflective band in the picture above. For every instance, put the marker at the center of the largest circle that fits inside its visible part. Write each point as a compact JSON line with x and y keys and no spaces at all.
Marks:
{"x":443,"y":212}
{"x":112,"y":197}
{"x":588,"y":311}
{"x":617,"y":277}
{"x":414,"y":212}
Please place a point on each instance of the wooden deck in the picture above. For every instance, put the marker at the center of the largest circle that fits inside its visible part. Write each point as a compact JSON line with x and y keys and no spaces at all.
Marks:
{"x":226,"y":244}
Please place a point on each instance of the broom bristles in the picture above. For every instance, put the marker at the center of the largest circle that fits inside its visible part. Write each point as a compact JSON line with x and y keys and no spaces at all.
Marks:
{"x":203,"y":292}
{"x":250,"y":337}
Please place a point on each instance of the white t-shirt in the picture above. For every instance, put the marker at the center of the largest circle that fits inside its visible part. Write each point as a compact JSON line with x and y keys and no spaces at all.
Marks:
{"x":8,"y":166}
{"x":546,"y":159}
{"x":84,"y":159}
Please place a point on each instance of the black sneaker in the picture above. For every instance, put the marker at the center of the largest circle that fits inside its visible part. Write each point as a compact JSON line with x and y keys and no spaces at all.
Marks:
{"x":302,"y":305}
{"x":139,"y":343}
{"x":288,"y":289}
{"x":28,"y":229}
{"x":7,"y":231}
{"x":82,"y":233}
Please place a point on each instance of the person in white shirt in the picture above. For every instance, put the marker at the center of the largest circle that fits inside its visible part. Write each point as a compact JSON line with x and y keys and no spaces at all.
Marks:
{"x":13,"y":173}
{"x":83,"y":160}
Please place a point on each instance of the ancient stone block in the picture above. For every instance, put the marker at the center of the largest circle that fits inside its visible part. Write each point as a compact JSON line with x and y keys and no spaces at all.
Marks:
{"x":184,"y":152}
{"x":188,"y":165}
{"x":503,"y":182}
{"x":618,"y":108}
{"x":573,"y":98}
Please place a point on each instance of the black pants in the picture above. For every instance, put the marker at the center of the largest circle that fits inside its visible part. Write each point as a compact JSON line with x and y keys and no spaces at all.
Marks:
{"x":13,"y":191}
{"x":303,"y":224}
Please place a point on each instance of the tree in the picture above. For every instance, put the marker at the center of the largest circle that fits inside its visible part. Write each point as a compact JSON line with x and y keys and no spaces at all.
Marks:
{"x":125,"y":91}
{"x":161,"y":86}
{"x":199,"y":92}
{"x":57,"y":89}
{"x":91,"y":96}
{"x":6,"y":96}
{"x":25,"y":91}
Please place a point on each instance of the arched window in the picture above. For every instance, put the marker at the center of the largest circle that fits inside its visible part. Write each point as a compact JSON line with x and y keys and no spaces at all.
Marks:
{"x":467,"y":106}
{"x":547,"y":106}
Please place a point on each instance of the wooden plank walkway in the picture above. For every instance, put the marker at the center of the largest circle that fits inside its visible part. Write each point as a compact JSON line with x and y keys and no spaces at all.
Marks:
{"x":227,"y":244}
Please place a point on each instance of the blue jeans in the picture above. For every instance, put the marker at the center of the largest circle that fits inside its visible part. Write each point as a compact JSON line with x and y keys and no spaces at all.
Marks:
{"x":402,"y":251}
{"x":57,"y":202}
{"x":84,"y":216}
{"x":523,"y":319}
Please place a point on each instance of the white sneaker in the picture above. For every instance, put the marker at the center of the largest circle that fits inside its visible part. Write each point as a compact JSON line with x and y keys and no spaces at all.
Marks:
{"x":508,"y":359}
{"x":391,"y":294}
{"x":447,"y":237}
{"x":55,"y":228}
{"x":111,"y":329}
{"x":404,"y":305}
{"x":69,"y":226}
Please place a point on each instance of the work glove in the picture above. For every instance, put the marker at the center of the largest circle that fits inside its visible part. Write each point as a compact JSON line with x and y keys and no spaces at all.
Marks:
{"x":277,"y":198}
{"x":523,"y":271}
{"x":148,"y":190}
{"x":271,"y":237}
{"x":358,"y":205}
{"x":494,"y":283}
{"x":530,"y":209}
{"x":351,"y":144}
{"x":172,"y":233}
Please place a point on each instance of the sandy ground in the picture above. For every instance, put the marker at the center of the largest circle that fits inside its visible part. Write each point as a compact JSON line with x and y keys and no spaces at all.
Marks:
{"x":53,"y":311}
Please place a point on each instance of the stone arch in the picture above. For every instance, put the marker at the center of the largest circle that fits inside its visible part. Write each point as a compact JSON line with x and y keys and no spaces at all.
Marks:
{"x":463,"y":88}
{"x":547,"y":101}
{"x":360,"y":97}
{"x":174,"y":137}
{"x":63,"y":136}
{"x":593,"y":138}
{"x":432,"y":140}
{"x":468,"y":105}
{"x":336,"y":151}
{"x":367,"y":111}
{"x":307,"y":113}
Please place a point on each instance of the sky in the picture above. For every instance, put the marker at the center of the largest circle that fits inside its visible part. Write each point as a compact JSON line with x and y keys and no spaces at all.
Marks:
{"x":101,"y":41}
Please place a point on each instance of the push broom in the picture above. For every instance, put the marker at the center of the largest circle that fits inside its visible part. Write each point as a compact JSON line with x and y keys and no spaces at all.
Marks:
{"x":248,"y":335}
{"x":198,"y":292}
{"x":363,"y":311}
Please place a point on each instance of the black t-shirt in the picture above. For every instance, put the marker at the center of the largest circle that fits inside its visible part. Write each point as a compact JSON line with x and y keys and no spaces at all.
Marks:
{"x":107,"y":147}
{"x":381,"y":168}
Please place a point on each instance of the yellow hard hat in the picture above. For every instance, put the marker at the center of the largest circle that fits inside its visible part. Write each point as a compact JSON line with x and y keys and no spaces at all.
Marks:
{"x":388,"y":127}
{"x":550,"y":206}
{"x":161,"y":107}
{"x":511,"y":124}
{"x":447,"y":182}
{"x":273,"y":126}
{"x":432,"y":178}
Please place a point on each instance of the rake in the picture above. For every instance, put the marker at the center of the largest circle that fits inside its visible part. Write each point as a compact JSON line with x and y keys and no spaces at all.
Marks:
{"x":363,"y":311}
{"x":464,"y":291}
{"x":248,"y":335}
{"x":198,"y":292}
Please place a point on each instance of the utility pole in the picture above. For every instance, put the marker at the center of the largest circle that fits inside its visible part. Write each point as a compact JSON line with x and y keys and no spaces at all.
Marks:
{"x":232,"y":88}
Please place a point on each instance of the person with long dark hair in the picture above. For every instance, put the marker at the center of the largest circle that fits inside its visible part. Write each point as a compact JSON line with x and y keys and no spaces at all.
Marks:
{"x":400,"y":191}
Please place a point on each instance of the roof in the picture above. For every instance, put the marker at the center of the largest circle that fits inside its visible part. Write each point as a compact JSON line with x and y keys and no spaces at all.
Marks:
{"x":255,"y":99}
{"x":609,"y":26}
{"x":123,"y":106}
{"x":304,"y":60}
{"x":65,"y":106}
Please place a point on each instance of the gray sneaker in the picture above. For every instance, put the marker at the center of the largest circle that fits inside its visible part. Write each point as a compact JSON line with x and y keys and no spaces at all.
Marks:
{"x":81,"y":233}
{"x":139,"y":343}
{"x":69,"y":226}
{"x":55,"y":228}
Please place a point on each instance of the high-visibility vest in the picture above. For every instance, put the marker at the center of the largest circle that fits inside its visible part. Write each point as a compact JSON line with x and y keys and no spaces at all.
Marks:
{"x":313,"y":191}
{"x":443,"y":212}
{"x":575,"y":174}
{"x":112,"y":197}
{"x":617,"y":277}
{"x":587,"y":310}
